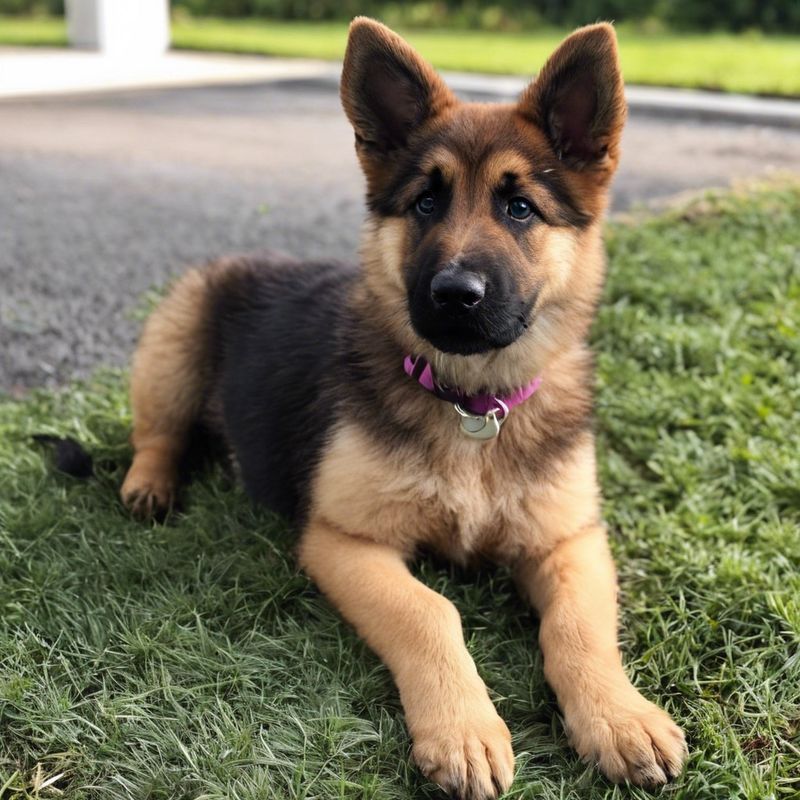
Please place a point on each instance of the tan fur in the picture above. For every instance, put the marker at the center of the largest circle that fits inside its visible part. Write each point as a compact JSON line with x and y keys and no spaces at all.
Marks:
{"x":456,"y":495}
{"x":458,"y":498}
{"x":167,"y":381}
{"x":529,"y":498}
{"x":443,"y":160}
{"x":608,"y":721}
{"x":459,"y":740}
{"x":502,"y":161}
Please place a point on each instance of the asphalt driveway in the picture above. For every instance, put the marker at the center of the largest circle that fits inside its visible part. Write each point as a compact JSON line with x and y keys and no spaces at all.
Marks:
{"x":106,"y":196}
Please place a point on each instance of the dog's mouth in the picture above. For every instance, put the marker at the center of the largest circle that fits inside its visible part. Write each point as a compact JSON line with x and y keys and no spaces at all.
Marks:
{"x":492,"y":325}
{"x":467,"y":334}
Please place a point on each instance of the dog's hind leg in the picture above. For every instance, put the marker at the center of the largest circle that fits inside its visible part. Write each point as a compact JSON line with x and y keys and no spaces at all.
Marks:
{"x":171,"y":370}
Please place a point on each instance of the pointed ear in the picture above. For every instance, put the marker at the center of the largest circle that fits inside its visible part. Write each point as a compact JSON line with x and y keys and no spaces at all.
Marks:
{"x":387,"y":89}
{"x":578,"y":99}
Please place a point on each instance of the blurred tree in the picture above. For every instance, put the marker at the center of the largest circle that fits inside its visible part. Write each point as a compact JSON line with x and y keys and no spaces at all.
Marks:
{"x":772,"y":16}
{"x":779,"y":16}
{"x":32,"y":7}
{"x":216,"y":8}
{"x":736,"y":15}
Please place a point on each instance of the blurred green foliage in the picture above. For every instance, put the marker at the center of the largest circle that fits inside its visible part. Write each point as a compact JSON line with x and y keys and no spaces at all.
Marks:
{"x":777,"y":16}
{"x":701,"y":15}
{"x":31,"y":6}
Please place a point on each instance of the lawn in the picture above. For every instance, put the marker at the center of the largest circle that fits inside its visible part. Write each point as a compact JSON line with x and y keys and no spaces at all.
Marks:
{"x":192,"y":660}
{"x":39,"y":31}
{"x":735,"y":63}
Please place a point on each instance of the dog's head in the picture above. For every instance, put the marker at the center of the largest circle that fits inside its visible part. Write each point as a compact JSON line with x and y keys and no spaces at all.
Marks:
{"x":483,"y":227}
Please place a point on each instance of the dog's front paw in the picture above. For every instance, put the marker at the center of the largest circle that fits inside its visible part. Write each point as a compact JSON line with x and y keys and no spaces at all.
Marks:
{"x":468,"y":755}
{"x":630,"y":740}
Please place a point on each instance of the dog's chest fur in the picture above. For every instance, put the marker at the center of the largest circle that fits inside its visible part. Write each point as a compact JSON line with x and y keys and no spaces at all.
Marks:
{"x":455,"y":497}
{"x":408,"y":498}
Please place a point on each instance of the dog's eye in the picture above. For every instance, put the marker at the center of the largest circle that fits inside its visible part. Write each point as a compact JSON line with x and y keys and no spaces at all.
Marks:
{"x":426,"y":203}
{"x":519,"y":208}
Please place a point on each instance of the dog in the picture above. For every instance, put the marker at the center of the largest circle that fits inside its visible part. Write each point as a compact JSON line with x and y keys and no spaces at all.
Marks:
{"x":437,"y":395}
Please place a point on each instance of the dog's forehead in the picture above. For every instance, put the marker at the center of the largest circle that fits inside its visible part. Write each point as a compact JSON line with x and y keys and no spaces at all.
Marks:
{"x":482,"y":148}
{"x":493,"y":166}
{"x":485,"y":140}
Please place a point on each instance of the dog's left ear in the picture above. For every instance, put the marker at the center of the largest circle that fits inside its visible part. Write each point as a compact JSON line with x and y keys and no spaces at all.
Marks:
{"x":388,"y":90}
{"x":578,"y":99}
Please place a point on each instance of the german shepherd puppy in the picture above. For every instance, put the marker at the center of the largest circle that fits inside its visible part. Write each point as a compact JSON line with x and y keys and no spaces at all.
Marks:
{"x":438,"y":395}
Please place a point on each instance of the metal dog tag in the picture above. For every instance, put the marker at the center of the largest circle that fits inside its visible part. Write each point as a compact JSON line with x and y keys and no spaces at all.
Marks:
{"x":482,"y":427}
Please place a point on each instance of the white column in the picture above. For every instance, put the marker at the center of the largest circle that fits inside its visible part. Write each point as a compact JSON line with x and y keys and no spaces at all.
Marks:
{"x":119,"y":27}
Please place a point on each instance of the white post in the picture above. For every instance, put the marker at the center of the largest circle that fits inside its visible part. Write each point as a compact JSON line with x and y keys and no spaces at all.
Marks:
{"x":119,"y":27}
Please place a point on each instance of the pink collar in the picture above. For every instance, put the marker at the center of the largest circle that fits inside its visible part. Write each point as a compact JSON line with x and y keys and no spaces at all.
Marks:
{"x":478,"y":405}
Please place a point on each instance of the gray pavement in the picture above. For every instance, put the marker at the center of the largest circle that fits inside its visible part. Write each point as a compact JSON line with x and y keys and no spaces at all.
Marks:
{"x":108,"y":195}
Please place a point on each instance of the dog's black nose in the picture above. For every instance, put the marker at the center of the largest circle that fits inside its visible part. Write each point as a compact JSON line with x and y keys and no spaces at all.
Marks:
{"x":457,"y":290}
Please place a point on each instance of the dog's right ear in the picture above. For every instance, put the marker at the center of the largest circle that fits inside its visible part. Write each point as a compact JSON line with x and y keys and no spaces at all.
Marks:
{"x":578,"y":99}
{"x":387,"y":88}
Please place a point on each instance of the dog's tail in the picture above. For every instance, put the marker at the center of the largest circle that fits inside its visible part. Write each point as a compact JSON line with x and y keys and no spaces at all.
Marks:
{"x":69,"y":455}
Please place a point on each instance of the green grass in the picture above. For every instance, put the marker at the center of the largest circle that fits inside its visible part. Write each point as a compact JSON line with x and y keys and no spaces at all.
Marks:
{"x":192,"y":660}
{"x":39,"y":31}
{"x":734,"y":63}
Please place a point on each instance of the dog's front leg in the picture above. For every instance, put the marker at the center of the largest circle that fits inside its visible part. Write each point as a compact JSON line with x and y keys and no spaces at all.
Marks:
{"x":459,"y":740}
{"x":608,"y":721}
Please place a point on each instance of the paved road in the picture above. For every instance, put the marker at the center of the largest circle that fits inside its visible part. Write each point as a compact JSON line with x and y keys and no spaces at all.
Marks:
{"x":106,"y":196}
